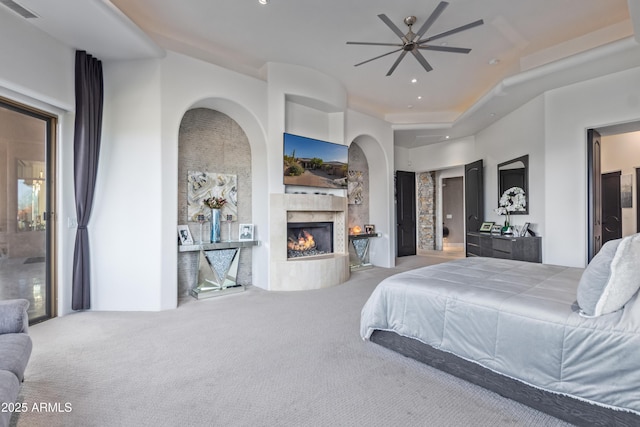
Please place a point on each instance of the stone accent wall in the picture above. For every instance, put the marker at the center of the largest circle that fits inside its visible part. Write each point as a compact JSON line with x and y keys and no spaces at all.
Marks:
{"x":211,"y":141}
{"x":359,"y":214}
{"x":426,"y":183}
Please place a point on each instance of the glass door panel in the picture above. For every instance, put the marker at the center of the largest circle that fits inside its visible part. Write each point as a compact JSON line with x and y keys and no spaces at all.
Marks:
{"x":25,"y":142}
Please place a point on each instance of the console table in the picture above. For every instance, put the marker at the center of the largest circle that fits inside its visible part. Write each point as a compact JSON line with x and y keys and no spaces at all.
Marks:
{"x":217,"y":267}
{"x":359,"y":250}
{"x":527,"y":248}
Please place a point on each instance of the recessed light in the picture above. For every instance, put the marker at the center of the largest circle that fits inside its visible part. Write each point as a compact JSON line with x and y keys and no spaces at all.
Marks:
{"x":414,"y":80}
{"x":492,"y":115}
{"x":419,"y":97}
{"x":263,"y":1}
{"x":494,"y":61}
{"x":446,"y":137}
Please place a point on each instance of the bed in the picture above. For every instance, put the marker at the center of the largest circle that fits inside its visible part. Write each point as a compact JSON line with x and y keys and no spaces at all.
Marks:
{"x":562,"y":340}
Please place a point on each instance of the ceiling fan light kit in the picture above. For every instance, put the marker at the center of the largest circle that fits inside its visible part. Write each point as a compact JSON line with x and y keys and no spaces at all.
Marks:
{"x":414,"y":42}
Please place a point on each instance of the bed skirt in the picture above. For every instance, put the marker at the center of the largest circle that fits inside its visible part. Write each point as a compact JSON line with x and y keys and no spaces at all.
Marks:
{"x":567,"y":408}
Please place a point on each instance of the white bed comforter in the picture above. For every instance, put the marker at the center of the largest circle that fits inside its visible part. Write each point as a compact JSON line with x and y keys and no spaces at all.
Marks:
{"x":518,"y":319}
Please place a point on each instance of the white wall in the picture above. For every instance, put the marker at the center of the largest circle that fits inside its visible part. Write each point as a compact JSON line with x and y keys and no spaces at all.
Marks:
{"x":35,"y":65}
{"x":519,"y":133}
{"x":137,"y":194}
{"x":375,"y":138}
{"x":287,"y":81}
{"x":189,"y":83}
{"x":132,"y":229}
{"x":569,"y":112}
{"x":551,"y":128}
{"x":39,"y":71}
{"x":433,"y":157}
{"x":125,"y":229}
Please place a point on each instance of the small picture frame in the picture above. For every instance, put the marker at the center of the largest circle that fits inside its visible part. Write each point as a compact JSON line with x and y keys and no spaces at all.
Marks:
{"x":486,"y":226}
{"x":245,"y":232}
{"x":184,"y":235}
{"x":496,"y":229}
{"x":369,"y":229}
{"x":524,"y":229}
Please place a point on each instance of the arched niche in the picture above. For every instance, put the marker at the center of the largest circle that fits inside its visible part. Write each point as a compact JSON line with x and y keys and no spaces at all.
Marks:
{"x":380,"y":203}
{"x":246,"y":159}
{"x":358,"y":187}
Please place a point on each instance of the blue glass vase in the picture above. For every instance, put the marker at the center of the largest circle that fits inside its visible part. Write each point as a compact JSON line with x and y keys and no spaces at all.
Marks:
{"x":215,"y":225}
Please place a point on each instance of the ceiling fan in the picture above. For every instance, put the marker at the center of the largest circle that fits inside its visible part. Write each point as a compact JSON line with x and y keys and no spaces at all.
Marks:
{"x":413,"y":42}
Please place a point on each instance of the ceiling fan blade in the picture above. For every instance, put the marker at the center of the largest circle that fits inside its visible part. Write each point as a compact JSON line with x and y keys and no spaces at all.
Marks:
{"x":376,"y":44}
{"x":434,"y":15}
{"x":378,"y":57}
{"x":446,"y":49}
{"x":391,"y":25}
{"x":395,"y":64}
{"x":455,"y":30}
{"x":422,"y":60}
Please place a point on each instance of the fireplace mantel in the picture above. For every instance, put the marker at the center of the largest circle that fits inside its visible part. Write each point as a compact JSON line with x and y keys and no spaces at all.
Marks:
{"x":312,"y":272}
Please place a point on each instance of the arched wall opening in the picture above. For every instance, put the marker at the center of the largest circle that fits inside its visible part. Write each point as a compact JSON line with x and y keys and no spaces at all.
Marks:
{"x":244,"y":150}
{"x":382,"y":250}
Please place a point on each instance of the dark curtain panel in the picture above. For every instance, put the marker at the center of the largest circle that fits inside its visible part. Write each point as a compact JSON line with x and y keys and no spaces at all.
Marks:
{"x":88,"y":127}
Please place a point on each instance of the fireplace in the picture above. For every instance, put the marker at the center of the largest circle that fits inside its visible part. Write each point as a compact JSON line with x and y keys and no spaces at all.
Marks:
{"x":307,"y":212}
{"x":309,"y":239}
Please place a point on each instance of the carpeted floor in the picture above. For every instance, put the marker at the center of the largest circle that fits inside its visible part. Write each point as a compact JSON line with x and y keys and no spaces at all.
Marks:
{"x":256,"y":358}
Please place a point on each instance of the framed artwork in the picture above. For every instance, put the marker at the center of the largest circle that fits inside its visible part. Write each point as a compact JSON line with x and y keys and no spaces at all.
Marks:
{"x":185,"y":235}
{"x":246,"y":232}
{"x":496,"y":229}
{"x":203,"y":185}
{"x":486,"y":226}
{"x":369,"y":228}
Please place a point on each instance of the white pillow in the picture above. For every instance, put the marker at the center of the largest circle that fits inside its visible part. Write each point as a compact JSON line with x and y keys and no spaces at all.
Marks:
{"x":611,"y":278}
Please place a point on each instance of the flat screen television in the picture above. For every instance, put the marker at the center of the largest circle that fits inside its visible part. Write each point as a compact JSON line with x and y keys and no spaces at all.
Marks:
{"x":314,"y":163}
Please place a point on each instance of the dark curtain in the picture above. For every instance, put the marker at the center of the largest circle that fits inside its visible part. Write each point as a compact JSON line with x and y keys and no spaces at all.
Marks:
{"x":88,"y":127}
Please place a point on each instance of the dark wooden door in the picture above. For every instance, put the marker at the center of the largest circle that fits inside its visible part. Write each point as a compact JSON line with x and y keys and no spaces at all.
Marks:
{"x":406,"y":213}
{"x":594,"y":195}
{"x":474,"y":195}
{"x":611,"y":207}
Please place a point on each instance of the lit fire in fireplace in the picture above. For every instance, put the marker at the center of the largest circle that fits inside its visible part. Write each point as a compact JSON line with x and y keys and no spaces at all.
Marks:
{"x":309,"y":239}
{"x":304,"y":242}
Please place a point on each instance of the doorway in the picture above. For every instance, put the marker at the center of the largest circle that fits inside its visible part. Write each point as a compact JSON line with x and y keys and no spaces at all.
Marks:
{"x":613,"y":193}
{"x":406,"y":213}
{"x":27,"y":189}
{"x":453,"y":235}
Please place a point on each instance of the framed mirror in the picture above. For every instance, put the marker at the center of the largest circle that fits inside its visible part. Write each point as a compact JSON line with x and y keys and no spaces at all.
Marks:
{"x":514,"y":173}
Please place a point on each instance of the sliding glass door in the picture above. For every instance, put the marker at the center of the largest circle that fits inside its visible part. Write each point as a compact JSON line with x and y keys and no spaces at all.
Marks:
{"x":27,"y":139}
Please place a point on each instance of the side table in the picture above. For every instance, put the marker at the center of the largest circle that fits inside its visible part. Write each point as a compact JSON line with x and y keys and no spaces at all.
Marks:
{"x":359,"y":250}
{"x":217,"y":267}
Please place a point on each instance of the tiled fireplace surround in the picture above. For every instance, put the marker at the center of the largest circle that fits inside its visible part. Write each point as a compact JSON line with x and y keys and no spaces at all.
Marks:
{"x":307,"y":272}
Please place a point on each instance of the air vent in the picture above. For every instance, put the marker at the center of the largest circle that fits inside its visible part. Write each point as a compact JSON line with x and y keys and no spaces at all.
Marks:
{"x":18,"y":9}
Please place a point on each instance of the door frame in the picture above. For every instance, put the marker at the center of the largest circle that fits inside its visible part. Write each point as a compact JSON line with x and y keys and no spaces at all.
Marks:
{"x":51,"y":188}
{"x":401,"y":199}
{"x":594,"y":196}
